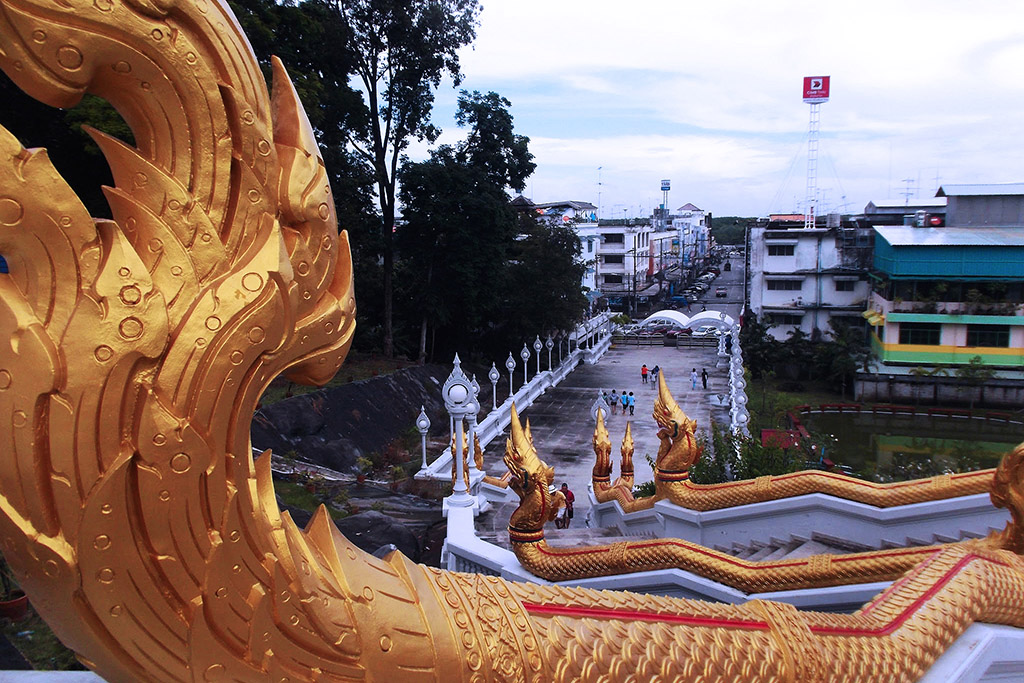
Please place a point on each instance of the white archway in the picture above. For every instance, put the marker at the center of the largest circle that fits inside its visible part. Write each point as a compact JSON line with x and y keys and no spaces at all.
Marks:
{"x":718,"y":319}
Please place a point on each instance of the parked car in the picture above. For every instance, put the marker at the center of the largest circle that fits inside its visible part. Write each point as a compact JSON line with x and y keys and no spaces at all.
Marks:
{"x":706,"y":331}
{"x":721,"y":292}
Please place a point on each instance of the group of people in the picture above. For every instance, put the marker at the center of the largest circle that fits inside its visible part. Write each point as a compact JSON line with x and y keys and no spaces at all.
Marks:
{"x":651,"y":375}
{"x":703,"y":378}
{"x":627,"y":401}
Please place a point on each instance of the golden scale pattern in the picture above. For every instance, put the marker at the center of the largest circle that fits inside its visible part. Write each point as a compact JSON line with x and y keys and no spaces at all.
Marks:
{"x":131,"y":508}
{"x":678,"y":453}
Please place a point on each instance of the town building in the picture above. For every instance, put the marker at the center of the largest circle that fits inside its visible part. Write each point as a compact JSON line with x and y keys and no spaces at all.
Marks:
{"x":693,"y":233}
{"x":804,"y":278}
{"x":942,"y":296}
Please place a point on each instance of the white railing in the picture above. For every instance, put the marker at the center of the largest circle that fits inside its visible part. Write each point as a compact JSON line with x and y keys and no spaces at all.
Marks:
{"x":588,"y":342}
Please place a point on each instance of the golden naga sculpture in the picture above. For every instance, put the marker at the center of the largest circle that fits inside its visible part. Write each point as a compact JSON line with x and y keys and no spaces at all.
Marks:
{"x":131,"y":509}
{"x":531,"y":478}
{"x":679,"y":451}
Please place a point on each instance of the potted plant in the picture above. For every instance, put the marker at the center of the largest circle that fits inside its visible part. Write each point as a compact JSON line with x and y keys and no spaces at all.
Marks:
{"x":13,"y":601}
{"x":363,"y":467}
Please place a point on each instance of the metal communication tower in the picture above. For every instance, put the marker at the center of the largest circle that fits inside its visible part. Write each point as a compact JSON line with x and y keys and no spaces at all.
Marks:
{"x":812,"y":166}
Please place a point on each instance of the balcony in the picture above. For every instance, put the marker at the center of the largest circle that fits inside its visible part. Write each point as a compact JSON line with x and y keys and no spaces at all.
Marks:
{"x":897,"y":305}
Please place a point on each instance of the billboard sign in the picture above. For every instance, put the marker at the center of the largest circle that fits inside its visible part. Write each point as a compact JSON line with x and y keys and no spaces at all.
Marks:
{"x":666,"y":185}
{"x":816,"y":89}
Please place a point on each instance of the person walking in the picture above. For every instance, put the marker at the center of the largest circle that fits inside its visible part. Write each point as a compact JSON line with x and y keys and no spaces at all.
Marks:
{"x":632,"y":402}
{"x":693,"y":378}
{"x":704,"y":377}
{"x":569,"y":500}
{"x":614,"y":399}
{"x":654,"y":374}
{"x":643,"y":374}
{"x":625,"y":401}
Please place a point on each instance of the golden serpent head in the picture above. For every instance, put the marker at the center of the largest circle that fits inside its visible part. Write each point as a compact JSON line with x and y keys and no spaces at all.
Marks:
{"x":1008,"y":492}
{"x":667,"y":413}
{"x":531,"y":477}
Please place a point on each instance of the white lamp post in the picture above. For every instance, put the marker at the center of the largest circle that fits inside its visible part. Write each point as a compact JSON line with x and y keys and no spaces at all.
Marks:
{"x":474,"y":409}
{"x":537,"y":346}
{"x":549,"y":344}
{"x":525,"y":355}
{"x":458,"y":400}
{"x":511,"y":365}
{"x":494,"y":376}
{"x":423,"y":425}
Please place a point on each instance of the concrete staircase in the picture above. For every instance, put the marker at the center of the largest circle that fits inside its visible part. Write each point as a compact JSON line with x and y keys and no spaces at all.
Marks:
{"x":796,"y":546}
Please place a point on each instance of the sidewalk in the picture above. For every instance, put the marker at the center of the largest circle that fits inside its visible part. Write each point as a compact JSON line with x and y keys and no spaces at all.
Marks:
{"x":563,"y":429}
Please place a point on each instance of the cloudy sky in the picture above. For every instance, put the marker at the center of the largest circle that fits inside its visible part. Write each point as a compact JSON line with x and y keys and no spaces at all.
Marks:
{"x":708,"y":95}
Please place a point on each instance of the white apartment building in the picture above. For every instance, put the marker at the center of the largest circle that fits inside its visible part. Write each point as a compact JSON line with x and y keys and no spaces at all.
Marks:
{"x":693,"y":233}
{"x":802,"y":278}
{"x":623,"y":259}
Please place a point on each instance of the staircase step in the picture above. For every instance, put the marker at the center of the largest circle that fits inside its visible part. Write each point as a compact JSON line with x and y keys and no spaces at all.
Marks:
{"x":809,"y":548}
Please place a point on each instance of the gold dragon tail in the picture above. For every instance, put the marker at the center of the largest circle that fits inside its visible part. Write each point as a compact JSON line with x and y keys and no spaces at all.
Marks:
{"x":131,"y":508}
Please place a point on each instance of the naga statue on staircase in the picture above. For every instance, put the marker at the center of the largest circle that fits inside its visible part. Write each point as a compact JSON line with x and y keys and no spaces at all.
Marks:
{"x":132,"y":510}
{"x":531,"y":477}
{"x":679,"y":451}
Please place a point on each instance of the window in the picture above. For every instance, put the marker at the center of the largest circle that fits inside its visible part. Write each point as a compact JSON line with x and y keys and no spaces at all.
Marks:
{"x":785,"y":285}
{"x":781,"y":249}
{"x":785,"y":319}
{"x":920,"y":333}
{"x":590,"y":246}
{"x":614,"y":238}
{"x":988,"y":335}
{"x":613,"y":279}
{"x":613,"y":258}
{"x":845,"y":285}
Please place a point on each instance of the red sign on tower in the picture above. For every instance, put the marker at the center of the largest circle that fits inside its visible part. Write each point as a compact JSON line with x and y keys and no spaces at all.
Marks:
{"x":816,"y":89}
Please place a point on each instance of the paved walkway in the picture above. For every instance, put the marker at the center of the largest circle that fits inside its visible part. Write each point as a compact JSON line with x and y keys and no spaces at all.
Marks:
{"x":563,"y":429}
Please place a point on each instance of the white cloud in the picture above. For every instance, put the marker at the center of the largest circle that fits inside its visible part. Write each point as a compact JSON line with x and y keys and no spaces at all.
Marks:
{"x":708,"y":94}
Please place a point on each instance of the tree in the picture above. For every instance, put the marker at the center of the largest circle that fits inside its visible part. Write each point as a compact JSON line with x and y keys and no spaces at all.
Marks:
{"x":760,"y":349}
{"x":546,"y":292}
{"x":839,"y":358}
{"x":492,"y":147}
{"x":472,"y":267}
{"x":401,"y":49}
{"x":974,"y":374}
{"x":453,"y":245}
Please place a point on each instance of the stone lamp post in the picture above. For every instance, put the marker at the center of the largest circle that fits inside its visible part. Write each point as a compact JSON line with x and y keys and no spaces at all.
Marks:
{"x":549,"y":344}
{"x":460,"y":403}
{"x":537,"y":346}
{"x":423,"y":426}
{"x":494,"y":376}
{"x":510,"y":364}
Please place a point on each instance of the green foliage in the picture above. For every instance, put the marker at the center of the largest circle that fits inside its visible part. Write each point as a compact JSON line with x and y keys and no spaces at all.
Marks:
{"x":710,"y":467}
{"x":470,"y":266}
{"x":760,"y":350}
{"x":729,"y":229}
{"x":621,"y":319}
{"x":644,"y":490}
{"x":747,"y":458}
{"x":974,"y":374}
{"x":492,"y":148}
